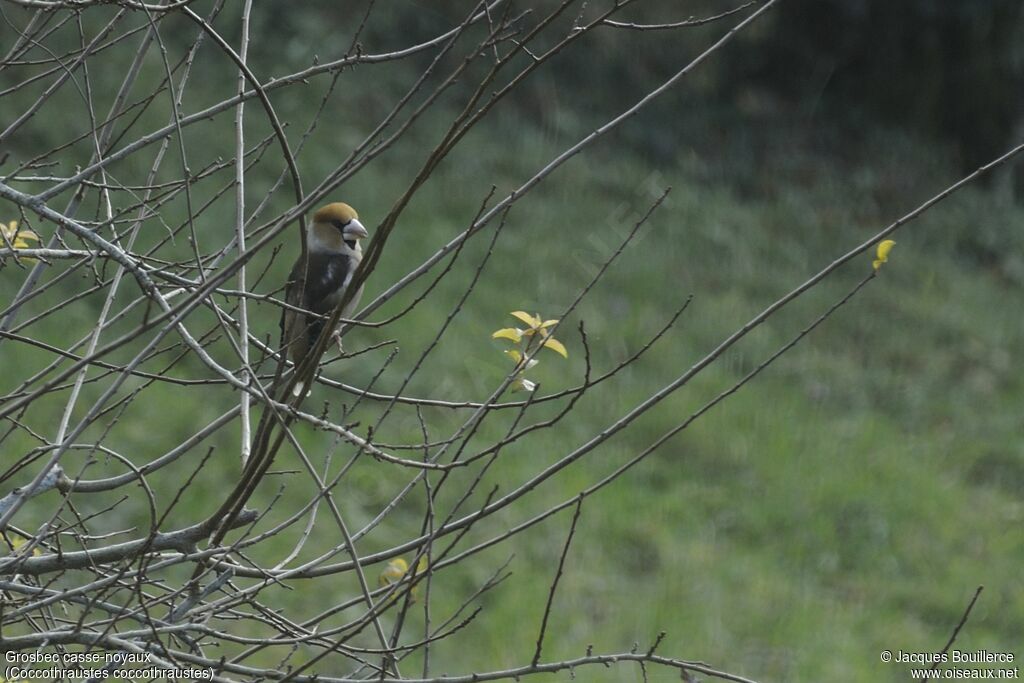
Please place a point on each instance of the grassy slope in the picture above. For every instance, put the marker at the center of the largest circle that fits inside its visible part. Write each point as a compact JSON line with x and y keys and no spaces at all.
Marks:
{"x":852,"y":497}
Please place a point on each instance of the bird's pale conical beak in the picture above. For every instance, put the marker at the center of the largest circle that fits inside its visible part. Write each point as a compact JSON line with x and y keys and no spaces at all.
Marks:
{"x":355,"y":230}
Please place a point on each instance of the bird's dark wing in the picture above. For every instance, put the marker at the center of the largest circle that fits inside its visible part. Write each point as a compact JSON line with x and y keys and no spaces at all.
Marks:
{"x":317,"y":288}
{"x":325,"y":289}
{"x":328,"y":274}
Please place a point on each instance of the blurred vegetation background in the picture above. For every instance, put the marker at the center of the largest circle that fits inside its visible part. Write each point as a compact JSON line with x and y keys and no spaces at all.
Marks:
{"x":849,"y":500}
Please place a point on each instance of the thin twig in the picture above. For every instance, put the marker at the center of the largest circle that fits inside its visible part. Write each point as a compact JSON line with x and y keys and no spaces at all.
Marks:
{"x":554,"y":582}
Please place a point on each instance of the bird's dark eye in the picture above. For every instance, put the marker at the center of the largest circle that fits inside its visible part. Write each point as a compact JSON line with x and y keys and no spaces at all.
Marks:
{"x":340,"y":225}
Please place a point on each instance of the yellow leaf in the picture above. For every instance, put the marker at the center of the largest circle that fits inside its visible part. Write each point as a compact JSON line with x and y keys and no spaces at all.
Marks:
{"x":17,"y":542}
{"x":17,"y":238}
{"x":421,"y":569}
{"x":882,"y":253}
{"x":533,"y":322}
{"x":511,"y":333}
{"x":393,"y":572}
{"x":514,"y":355}
{"x":556,"y":346}
{"x":549,"y":323}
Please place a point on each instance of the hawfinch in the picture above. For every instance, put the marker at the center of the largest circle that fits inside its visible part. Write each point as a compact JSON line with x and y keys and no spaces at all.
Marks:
{"x":318,"y":282}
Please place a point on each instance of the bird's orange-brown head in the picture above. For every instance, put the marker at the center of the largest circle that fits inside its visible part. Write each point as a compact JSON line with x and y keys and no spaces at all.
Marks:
{"x":335,"y":212}
{"x":335,"y":227}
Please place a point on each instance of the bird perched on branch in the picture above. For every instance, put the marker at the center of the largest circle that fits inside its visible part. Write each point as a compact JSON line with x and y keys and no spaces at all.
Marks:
{"x":321,"y":276}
